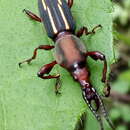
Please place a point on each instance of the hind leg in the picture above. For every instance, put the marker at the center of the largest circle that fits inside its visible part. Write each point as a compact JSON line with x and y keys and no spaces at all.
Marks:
{"x":32,"y":15}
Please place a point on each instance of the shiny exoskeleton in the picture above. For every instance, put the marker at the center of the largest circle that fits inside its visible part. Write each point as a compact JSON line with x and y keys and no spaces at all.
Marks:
{"x":69,"y":51}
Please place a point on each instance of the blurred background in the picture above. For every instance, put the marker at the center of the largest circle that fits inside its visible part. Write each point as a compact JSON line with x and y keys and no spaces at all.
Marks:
{"x":120,"y":70}
{"x":118,"y":104}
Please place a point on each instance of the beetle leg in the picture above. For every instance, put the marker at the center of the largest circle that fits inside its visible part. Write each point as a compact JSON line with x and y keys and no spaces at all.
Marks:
{"x":57,"y":85}
{"x":46,"y":70}
{"x":107,"y":89}
{"x":43,"y":47}
{"x":32,"y":15}
{"x":70,"y":3}
{"x":99,"y":56}
{"x":84,"y":30}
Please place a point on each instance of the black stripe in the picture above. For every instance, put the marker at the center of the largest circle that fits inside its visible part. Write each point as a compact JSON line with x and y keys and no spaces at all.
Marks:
{"x":45,"y":18}
{"x":57,"y":17}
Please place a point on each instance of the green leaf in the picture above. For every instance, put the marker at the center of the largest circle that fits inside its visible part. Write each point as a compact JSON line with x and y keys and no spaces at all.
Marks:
{"x":122,"y":127}
{"x":124,"y":111}
{"x":123,"y":37}
{"x":120,"y":111}
{"x":115,"y":113}
{"x":28,"y":102}
{"x":122,"y":84}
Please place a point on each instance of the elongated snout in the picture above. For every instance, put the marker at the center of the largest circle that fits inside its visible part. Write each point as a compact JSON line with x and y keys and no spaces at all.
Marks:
{"x":90,"y":97}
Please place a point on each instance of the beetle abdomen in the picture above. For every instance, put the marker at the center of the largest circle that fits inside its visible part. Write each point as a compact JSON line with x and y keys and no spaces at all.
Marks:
{"x":56,"y":16}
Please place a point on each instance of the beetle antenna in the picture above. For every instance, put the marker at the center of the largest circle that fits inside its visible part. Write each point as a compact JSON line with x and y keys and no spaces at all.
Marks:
{"x":105,"y":113}
{"x":98,"y":117}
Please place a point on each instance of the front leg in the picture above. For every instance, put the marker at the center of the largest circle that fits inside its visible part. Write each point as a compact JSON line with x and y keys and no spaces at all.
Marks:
{"x":99,"y":56}
{"x":70,"y":3}
{"x":84,"y":30}
{"x":41,"y":47}
{"x":46,"y":70}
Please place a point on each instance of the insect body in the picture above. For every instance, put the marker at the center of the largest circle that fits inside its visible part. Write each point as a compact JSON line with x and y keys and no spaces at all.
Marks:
{"x":70,"y":52}
{"x":56,"y":16}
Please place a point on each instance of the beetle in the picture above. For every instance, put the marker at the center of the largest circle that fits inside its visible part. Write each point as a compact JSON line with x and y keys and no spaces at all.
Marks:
{"x":69,"y":51}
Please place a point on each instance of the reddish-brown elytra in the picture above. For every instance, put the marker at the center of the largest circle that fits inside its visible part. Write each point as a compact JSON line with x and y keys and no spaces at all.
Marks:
{"x":70,"y":52}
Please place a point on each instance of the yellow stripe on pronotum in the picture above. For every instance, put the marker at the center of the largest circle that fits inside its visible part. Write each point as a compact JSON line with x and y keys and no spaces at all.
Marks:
{"x":63,"y":16}
{"x":44,"y":5}
{"x":52,"y":22}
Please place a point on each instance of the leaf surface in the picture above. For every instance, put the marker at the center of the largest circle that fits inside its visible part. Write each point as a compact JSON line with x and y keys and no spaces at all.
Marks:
{"x":28,"y":102}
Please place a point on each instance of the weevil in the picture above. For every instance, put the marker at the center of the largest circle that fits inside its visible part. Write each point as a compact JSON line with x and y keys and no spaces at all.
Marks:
{"x":69,"y":51}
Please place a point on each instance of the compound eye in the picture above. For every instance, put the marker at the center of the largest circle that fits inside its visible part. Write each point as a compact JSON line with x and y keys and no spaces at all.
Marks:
{"x":78,"y":65}
{"x":81,"y":64}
